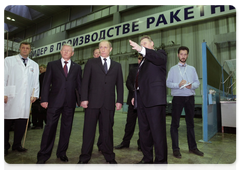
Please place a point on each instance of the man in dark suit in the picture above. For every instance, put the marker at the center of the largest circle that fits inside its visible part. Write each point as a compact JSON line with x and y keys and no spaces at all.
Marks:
{"x":101,"y":76}
{"x":61,"y":82}
{"x":132,"y":113}
{"x":38,"y":112}
{"x":150,"y":100}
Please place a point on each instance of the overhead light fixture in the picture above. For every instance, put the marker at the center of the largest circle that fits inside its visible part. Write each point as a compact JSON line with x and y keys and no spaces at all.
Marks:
{"x":11,"y":19}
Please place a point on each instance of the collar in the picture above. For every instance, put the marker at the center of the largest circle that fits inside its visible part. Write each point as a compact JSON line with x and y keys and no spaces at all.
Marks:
{"x":62,"y":60}
{"x":108,"y":58}
{"x":182,"y":65}
{"x":23,"y":57}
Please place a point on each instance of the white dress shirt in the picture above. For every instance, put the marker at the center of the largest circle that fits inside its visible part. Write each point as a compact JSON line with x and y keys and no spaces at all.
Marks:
{"x":108,"y":61}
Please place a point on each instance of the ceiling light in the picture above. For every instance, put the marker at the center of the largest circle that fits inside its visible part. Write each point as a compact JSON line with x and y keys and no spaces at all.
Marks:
{"x":11,"y":19}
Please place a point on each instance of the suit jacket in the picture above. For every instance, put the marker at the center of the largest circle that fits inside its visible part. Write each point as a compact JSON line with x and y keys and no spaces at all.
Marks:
{"x":99,"y":88}
{"x":41,"y":77}
{"x":130,"y":83}
{"x":57,"y":89}
{"x":152,"y":78}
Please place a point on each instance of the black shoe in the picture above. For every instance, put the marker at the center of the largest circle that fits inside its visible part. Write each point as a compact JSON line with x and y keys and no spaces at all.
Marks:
{"x":121,"y":146}
{"x":196,"y":151}
{"x":40,"y":164}
{"x":4,"y":152}
{"x":112,"y":161}
{"x":177,"y":154}
{"x":142,"y":163}
{"x":80,"y":165}
{"x":63,"y":158}
{"x":20,"y":149}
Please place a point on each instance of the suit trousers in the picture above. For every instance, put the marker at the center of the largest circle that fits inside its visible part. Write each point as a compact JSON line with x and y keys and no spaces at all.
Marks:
{"x":49,"y":133}
{"x":178,"y":103}
{"x":130,"y":125}
{"x":99,"y":143}
{"x":152,"y":126}
{"x":39,"y":114}
{"x":19,"y":129}
{"x":106,"y":117}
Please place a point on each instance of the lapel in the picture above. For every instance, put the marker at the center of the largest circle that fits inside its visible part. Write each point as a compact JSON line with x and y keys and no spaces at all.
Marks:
{"x":72,"y":66}
{"x":29,"y":62}
{"x":100,"y":64}
{"x":20,"y":61}
{"x":142,"y":62}
{"x":59,"y":65}
{"x":111,"y":66}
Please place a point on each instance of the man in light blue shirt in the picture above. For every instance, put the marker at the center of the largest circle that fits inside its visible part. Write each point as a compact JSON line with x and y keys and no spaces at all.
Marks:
{"x":183,"y":80}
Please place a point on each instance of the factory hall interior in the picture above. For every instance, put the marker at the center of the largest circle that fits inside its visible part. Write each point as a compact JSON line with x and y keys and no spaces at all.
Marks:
{"x":120,"y":84}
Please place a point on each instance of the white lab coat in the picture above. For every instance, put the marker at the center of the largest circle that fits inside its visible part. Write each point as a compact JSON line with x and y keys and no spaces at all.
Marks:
{"x":1,"y":78}
{"x":19,"y":81}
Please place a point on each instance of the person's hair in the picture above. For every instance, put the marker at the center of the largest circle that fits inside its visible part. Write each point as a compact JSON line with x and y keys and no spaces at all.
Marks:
{"x":110,"y":44}
{"x":66,"y":44}
{"x":147,"y":37}
{"x":183,"y":48}
{"x":25,"y":43}
{"x":43,"y":65}
{"x":95,"y":49}
{"x":140,"y":57}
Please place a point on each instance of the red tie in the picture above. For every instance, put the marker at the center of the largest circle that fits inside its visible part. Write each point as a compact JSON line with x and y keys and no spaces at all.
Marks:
{"x":65,"y":68}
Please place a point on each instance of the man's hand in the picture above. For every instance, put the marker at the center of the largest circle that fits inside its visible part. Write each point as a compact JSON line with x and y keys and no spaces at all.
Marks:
{"x":118,"y":106}
{"x":84,"y":104}
{"x":44,"y":105}
{"x":135,"y":46}
{"x":182,"y":83}
{"x":5,"y":99}
{"x":33,"y":99}
{"x":189,"y":86}
{"x":132,"y":101}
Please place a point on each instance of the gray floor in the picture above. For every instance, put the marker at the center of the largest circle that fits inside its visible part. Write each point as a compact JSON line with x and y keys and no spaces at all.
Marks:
{"x":221,"y":150}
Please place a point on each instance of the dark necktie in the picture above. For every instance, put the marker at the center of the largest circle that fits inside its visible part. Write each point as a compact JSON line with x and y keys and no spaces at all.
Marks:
{"x":139,"y":67}
{"x":65,"y":68}
{"x":24,"y":61}
{"x":136,"y":85}
{"x":136,"y":82}
{"x":105,"y":65}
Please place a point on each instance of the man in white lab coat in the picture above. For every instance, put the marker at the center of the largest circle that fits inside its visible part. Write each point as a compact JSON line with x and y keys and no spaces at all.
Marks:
{"x":20,"y":78}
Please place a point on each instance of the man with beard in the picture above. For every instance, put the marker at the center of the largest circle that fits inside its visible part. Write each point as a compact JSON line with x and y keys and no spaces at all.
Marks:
{"x":183,"y":80}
